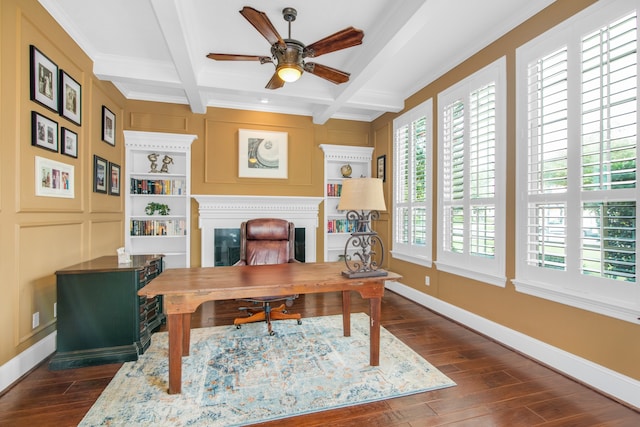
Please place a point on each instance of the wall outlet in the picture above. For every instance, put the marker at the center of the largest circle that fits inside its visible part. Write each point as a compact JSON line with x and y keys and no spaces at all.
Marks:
{"x":35,"y":320}
{"x":427,"y":280}
{"x":55,"y":309}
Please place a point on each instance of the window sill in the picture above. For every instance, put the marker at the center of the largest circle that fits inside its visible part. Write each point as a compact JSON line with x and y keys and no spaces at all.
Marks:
{"x":610,"y":308}
{"x":412,"y":259}
{"x":491,"y":279}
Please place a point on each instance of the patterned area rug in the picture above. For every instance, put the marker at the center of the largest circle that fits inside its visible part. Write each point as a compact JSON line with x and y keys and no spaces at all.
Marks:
{"x":237,"y":377}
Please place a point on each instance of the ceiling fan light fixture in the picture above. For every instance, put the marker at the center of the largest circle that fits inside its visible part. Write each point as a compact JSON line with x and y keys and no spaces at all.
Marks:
{"x":289,"y":72}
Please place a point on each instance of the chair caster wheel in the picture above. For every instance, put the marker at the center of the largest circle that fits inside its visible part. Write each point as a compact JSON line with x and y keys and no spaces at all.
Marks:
{"x":299,"y":322}
{"x":272,"y":333}
{"x":238,"y":326}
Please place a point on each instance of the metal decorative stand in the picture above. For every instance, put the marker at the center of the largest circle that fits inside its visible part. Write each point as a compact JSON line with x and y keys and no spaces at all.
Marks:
{"x":363,"y":262}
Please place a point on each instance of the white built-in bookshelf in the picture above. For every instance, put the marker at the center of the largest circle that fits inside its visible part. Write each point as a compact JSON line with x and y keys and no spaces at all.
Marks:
{"x":157,"y":195}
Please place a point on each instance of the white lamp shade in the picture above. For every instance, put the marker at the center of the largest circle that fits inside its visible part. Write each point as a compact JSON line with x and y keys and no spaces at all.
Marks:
{"x":362,"y":194}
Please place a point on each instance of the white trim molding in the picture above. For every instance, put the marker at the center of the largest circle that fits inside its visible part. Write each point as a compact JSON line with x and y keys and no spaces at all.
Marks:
{"x":15,"y":368}
{"x":612,"y":383}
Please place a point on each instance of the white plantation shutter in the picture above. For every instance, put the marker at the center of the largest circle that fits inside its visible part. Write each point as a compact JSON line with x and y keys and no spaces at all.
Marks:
{"x":578,"y":113}
{"x":482,"y":168}
{"x":547,"y":129}
{"x":472,"y":170}
{"x":453,"y":131}
{"x":412,"y":195}
{"x":402,"y":144}
{"x":609,"y":150}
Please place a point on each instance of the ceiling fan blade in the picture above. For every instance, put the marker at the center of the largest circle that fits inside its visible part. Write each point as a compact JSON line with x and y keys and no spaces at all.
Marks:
{"x":233,"y":57}
{"x":275,"y":83}
{"x":261,"y":22}
{"x":341,"y":40}
{"x":328,"y":73}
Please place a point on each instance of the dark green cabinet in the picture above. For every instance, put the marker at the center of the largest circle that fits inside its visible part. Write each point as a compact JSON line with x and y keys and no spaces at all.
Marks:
{"x":101,"y":318}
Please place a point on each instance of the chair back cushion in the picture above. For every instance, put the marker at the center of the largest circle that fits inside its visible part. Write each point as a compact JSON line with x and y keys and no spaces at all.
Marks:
{"x":268,"y":241}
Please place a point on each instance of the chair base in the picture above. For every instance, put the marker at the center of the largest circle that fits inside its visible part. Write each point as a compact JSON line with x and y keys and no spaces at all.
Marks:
{"x":267,"y":315}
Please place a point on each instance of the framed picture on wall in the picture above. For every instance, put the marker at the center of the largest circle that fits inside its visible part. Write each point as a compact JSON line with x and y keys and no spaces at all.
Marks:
{"x":382,"y":167}
{"x":100,"y":167}
{"x":114,"y":180}
{"x":262,"y":154}
{"x":54,"y":179}
{"x":108,"y":126}
{"x":44,"y":79}
{"x":70,"y":98}
{"x":69,"y":142}
{"x":44,"y":132}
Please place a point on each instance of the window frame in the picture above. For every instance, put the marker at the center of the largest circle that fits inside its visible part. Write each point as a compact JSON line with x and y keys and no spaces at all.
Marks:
{"x":484,"y":269}
{"x":414,"y":253}
{"x":570,"y":286}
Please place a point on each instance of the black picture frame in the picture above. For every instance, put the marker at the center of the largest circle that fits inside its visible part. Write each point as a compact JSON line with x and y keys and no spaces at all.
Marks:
{"x":100,"y":168}
{"x":44,"y":79}
{"x":108,"y":126}
{"x":69,"y":144}
{"x":70,"y":94}
{"x":381,"y":164}
{"x":114,"y":179}
{"x":44,"y":132}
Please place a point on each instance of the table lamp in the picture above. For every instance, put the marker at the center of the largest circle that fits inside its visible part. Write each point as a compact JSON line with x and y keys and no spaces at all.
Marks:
{"x":362,"y":198}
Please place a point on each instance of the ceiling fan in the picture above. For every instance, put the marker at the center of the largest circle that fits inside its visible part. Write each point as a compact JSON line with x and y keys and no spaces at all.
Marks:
{"x":289,"y":54}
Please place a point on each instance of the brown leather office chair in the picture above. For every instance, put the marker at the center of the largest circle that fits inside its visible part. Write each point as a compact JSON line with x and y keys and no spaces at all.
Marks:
{"x":267,"y":241}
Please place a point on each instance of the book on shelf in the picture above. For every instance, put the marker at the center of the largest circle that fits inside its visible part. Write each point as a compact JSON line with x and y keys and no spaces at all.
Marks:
{"x":158,"y":227}
{"x":158,"y":186}
{"x":341,"y":226}
{"x":334,"y":190}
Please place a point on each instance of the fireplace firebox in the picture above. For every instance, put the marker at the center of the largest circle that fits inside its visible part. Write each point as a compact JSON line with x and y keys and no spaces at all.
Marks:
{"x":227,"y":245}
{"x":219,"y":219}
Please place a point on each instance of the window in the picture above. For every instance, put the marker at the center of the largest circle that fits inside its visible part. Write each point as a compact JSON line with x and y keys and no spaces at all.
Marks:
{"x":471,"y":170}
{"x":412,"y":195}
{"x":577,"y":126}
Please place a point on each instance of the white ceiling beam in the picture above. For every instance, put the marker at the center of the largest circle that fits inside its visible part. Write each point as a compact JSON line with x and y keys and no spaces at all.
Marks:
{"x":120,"y":68}
{"x":404,"y":22}
{"x":171,"y":18}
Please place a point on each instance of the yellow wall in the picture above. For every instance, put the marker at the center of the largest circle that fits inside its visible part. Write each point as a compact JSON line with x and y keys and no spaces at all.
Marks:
{"x":603,"y":340}
{"x":39,"y":235}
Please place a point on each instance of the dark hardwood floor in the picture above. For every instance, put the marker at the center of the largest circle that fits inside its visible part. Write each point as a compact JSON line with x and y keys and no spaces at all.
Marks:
{"x":495,"y":386}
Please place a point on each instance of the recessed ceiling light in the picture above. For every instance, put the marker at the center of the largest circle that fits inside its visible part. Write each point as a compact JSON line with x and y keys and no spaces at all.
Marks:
{"x":264,"y":100}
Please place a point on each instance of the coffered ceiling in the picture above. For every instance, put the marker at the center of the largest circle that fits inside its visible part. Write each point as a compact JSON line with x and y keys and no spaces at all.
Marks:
{"x":156,"y":49}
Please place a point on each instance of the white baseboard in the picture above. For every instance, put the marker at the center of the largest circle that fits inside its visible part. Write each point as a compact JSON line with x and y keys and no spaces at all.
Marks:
{"x":610,"y":382}
{"x":11,"y":371}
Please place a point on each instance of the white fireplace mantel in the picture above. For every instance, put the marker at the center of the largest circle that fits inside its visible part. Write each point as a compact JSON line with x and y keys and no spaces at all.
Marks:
{"x":216,"y":211}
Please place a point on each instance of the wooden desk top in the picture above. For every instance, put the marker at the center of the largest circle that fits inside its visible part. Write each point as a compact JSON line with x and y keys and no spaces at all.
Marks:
{"x":220,"y":283}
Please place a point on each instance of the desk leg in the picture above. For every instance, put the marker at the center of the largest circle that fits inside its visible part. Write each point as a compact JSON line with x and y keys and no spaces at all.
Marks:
{"x":186,"y":334}
{"x":179,"y":337}
{"x":346,"y":313}
{"x":375,"y":308}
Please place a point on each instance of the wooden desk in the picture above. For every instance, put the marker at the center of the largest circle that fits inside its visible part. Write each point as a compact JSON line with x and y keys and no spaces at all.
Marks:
{"x":184,"y":289}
